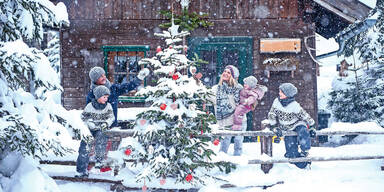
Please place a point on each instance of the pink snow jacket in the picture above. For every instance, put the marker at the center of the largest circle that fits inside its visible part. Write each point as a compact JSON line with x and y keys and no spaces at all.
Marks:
{"x":249,"y":97}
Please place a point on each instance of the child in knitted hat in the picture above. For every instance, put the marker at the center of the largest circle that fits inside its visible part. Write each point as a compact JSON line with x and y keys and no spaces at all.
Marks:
{"x":97,"y":76}
{"x":249,"y":96}
{"x":287,"y":114}
{"x":98,"y":116}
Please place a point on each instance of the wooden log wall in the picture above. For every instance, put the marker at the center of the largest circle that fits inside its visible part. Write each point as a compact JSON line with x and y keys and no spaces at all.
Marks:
{"x":95,"y":23}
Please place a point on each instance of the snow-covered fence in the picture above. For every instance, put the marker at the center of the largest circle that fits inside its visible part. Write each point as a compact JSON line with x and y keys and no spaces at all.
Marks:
{"x":266,"y":138}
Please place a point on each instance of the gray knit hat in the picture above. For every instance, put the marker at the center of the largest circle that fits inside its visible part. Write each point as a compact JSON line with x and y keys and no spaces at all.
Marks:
{"x":288,"y":89}
{"x":251,"y":81}
{"x":100,"y":91}
{"x":95,"y":73}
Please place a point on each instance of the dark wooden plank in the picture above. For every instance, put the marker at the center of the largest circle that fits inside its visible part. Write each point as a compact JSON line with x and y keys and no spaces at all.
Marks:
{"x":146,"y":10}
{"x":127,"y":9}
{"x":313,"y":159}
{"x":108,"y":9}
{"x":293,"y":9}
{"x":73,"y":92}
{"x":156,"y":7}
{"x":86,"y":179}
{"x":136,"y":9}
{"x":117,"y":10}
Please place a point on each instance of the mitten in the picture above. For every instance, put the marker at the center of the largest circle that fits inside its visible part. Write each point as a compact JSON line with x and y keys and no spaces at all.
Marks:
{"x":143,"y":73}
{"x":312,"y":131}
{"x":276,"y":130}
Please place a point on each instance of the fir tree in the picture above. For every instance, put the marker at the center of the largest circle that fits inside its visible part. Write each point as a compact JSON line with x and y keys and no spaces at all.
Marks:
{"x":169,"y":132}
{"x":29,"y":123}
{"x":364,"y":98}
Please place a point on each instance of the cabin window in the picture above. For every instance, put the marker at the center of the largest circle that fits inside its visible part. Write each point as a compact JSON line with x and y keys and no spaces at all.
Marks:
{"x":121,"y":66}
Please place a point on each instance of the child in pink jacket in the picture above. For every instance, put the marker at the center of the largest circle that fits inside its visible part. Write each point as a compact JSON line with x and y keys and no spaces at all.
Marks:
{"x":249,"y":96}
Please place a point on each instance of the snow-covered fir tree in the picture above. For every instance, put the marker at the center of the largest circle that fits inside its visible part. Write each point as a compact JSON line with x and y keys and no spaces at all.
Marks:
{"x":363,"y":98}
{"x":31,"y":124}
{"x":169,"y":132}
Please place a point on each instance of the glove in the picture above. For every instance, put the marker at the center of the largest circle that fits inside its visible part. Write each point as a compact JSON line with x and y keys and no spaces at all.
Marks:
{"x":312,"y":132}
{"x":277,"y":131}
{"x":143,"y":73}
{"x":104,"y":126}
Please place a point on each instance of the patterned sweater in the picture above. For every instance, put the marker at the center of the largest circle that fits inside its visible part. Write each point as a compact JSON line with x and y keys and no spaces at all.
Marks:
{"x":94,"y":117}
{"x":288,"y":117}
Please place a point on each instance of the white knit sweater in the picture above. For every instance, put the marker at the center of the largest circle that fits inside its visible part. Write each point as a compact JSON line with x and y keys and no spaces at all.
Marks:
{"x":93,"y":117}
{"x":288,"y":117}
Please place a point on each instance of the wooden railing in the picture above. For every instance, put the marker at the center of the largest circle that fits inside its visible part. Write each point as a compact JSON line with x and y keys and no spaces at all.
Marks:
{"x":266,"y":138}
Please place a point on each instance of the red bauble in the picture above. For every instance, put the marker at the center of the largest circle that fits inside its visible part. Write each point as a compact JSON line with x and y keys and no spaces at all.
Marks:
{"x":162,"y":181}
{"x":189,"y":177}
{"x":128,"y":151}
{"x":175,"y":77}
{"x":170,"y":47}
{"x":144,"y":188}
{"x":202,"y":131}
{"x":216,"y":142}
{"x":105,"y":169}
{"x":158,"y":49}
{"x":163,"y":106}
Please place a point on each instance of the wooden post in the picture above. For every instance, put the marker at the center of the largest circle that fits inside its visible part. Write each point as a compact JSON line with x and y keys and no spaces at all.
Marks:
{"x":382,"y":166}
{"x":266,"y":148}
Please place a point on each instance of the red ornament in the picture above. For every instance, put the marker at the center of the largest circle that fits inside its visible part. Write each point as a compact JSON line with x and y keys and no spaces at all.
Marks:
{"x":163,"y":106}
{"x":185,"y":49}
{"x":175,"y":77}
{"x":128,"y":151}
{"x":158,"y":49}
{"x":189,"y":177}
{"x":143,"y":122}
{"x":105,"y":169}
{"x":170,"y":47}
{"x":216,"y":142}
{"x":202,"y":132}
{"x":162,"y":181}
{"x":144,"y":188}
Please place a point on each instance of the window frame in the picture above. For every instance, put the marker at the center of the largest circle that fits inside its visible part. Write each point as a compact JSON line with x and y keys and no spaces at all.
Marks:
{"x":125,"y":48}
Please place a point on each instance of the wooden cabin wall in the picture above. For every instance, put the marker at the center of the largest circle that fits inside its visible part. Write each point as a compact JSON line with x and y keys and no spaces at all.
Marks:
{"x":95,"y":23}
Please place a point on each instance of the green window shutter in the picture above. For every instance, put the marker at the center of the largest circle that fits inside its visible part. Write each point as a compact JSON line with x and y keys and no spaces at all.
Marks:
{"x":120,"y":64}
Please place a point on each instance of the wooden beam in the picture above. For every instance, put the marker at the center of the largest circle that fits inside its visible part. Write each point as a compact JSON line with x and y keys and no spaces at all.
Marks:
{"x":312,"y":159}
{"x":336,"y":11}
{"x":291,"y":133}
{"x":86,"y":179}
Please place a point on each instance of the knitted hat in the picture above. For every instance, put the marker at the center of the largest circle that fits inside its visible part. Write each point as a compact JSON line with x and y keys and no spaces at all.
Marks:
{"x":251,"y":81}
{"x":100,"y":91}
{"x":234,"y":71}
{"x":95,"y":73}
{"x":288,"y":89}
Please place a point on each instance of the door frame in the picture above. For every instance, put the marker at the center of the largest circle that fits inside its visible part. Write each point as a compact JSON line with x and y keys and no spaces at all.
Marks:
{"x":242,"y":43}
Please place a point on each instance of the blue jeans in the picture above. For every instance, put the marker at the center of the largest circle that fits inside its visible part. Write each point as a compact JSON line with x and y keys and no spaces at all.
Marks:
{"x":292,"y":143}
{"x":238,"y":141}
{"x":100,"y":143}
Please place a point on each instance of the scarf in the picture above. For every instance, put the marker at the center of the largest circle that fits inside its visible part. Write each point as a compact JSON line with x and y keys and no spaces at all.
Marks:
{"x":286,"y":101}
{"x":97,"y":105}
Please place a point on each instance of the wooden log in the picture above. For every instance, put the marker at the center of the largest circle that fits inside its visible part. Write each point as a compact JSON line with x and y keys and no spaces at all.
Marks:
{"x":382,"y":166}
{"x":312,"y":159}
{"x":266,"y":148}
{"x":290,"y":133}
{"x":86,"y":179}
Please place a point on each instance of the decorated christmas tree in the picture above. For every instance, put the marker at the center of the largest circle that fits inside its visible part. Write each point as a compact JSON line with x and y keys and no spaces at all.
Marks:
{"x":169,"y":133}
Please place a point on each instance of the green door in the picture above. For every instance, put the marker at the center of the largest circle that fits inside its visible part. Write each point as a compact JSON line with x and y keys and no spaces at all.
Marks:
{"x":220,"y":52}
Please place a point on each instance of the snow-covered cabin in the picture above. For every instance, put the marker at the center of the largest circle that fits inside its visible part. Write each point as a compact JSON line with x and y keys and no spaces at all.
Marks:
{"x":115,"y":34}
